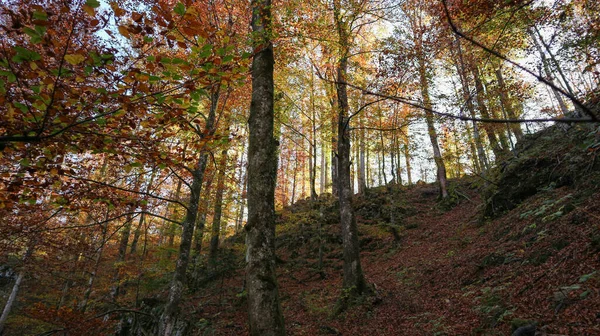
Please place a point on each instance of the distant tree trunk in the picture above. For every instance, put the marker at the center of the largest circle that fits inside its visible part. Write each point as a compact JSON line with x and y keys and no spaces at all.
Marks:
{"x":216,"y":225}
{"x":199,"y":230}
{"x":264,"y":310}
{"x":323,"y":177}
{"x":15,"y":290}
{"x":137,"y":232}
{"x":433,"y":137}
{"x":294,"y":180}
{"x":242,"y":199}
{"x":466,"y":91}
{"x":407,"y":159}
{"x":489,"y":129}
{"x":313,"y":144}
{"x":382,"y":154}
{"x":334,"y":159}
{"x":508,"y":106}
{"x":354,"y":280}
{"x":168,"y":320}
{"x":88,"y":291}
{"x":172,"y":226}
{"x":493,"y":113}
{"x":549,"y":75}
{"x":398,"y":159}
{"x":557,"y":66}
{"x":368,"y":177}
{"x":362,"y":179}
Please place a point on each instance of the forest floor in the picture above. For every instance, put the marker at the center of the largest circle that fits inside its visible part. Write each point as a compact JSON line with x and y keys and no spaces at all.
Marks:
{"x":436,"y":271}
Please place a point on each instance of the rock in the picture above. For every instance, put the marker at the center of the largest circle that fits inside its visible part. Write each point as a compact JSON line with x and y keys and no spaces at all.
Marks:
{"x":528,"y":330}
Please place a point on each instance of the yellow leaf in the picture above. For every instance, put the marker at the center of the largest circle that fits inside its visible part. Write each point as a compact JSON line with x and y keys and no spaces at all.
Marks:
{"x":89,"y":10}
{"x":33,"y":65}
{"x":124,"y":31}
{"x":74,"y":59}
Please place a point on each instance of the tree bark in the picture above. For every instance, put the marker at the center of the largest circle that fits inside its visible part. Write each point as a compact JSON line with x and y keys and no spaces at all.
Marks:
{"x":508,"y":107}
{"x":354,"y":282}
{"x":264,"y":310}
{"x":437,"y":154}
{"x":137,"y":232}
{"x":488,"y":128}
{"x":168,"y":320}
{"x":15,"y":290}
{"x":216,"y":225}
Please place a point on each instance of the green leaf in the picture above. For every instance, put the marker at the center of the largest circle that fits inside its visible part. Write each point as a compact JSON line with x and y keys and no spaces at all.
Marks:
{"x":39,"y":15}
{"x":25,"y":55}
{"x":93,"y":3}
{"x":21,"y":106}
{"x":136,"y":164}
{"x":206,"y":51}
{"x":586,"y":277}
{"x":41,"y":30}
{"x":31,"y":32}
{"x":25,"y":162}
{"x":179,"y":9}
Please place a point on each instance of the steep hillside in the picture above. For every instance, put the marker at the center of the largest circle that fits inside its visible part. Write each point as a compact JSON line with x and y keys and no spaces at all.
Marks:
{"x":464,"y":271}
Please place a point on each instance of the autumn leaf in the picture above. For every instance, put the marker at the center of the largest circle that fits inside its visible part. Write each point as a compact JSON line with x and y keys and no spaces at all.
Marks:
{"x":89,"y":10}
{"x":137,"y":17}
{"x":124,"y":31}
{"x":74,"y":59}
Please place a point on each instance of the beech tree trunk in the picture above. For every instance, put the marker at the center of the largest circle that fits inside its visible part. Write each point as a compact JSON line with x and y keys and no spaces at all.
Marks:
{"x":488,"y":128}
{"x":549,"y":75}
{"x":437,"y":154}
{"x":508,"y":106}
{"x":462,"y":74}
{"x":168,"y":320}
{"x":216,"y":225}
{"x":15,"y":290}
{"x":354,"y":281}
{"x":137,"y":232}
{"x":264,"y":310}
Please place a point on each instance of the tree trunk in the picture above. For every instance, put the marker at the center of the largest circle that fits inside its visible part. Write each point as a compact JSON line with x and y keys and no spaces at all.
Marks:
{"x":437,"y":154}
{"x":362,"y":180}
{"x":15,"y":290}
{"x":137,"y":232}
{"x":168,"y":320}
{"x":489,"y":129}
{"x":264,"y":310}
{"x":466,"y":91}
{"x":550,"y":77}
{"x":508,"y":107}
{"x":354,"y":282}
{"x":407,"y":159}
{"x":323,"y":177}
{"x":92,"y":278}
{"x":216,"y":225}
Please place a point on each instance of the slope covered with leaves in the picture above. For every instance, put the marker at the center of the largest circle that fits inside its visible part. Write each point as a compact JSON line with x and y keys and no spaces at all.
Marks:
{"x":436,"y":271}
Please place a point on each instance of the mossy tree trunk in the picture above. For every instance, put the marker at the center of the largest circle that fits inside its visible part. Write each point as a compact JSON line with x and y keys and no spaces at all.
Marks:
{"x":264,"y":310}
{"x":354,"y":280}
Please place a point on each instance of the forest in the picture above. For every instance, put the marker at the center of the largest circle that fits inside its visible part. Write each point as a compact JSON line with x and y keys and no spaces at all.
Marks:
{"x":299,"y":167}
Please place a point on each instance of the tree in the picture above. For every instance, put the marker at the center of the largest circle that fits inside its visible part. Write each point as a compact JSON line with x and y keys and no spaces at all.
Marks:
{"x":264,"y":310}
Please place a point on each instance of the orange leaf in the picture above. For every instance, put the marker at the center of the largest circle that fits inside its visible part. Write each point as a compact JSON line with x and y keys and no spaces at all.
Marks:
{"x":124,"y":31}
